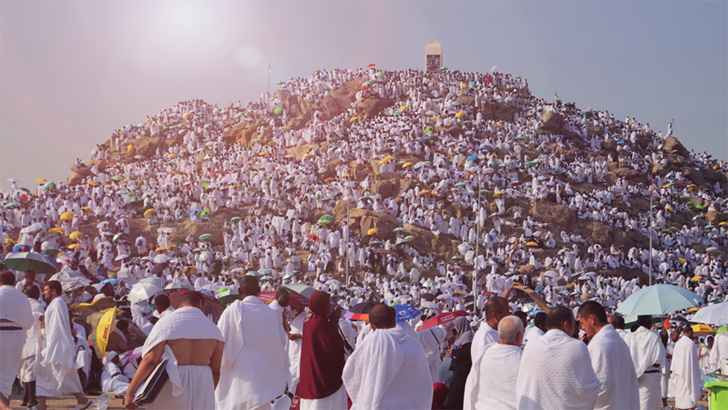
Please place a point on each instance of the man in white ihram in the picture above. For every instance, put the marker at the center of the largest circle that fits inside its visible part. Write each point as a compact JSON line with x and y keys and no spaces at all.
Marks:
{"x":610,"y":359}
{"x":57,"y":373}
{"x":193,"y":345}
{"x":648,"y":356}
{"x":253,"y":371}
{"x":389,"y":369}
{"x":686,"y":371}
{"x":556,"y":371}
{"x":492,"y":380}
{"x":16,"y":317}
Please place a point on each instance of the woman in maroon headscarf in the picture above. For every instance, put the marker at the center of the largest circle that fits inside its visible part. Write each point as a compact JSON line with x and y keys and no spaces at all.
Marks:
{"x":322,"y":358}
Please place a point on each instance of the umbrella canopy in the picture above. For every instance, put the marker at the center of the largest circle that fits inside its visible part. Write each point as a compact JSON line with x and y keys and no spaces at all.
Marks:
{"x":66,"y":216}
{"x":179,"y":286}
{"x":702,"y":330}
{"x":300,"y":289}
{"x":205,"y":236}
{"x":361,"y":311}
{"x":25,"y":261}
{"x":227,"y":296}
{"x":716,"y":314}
{"x":406,"y":312}
{"x":76,"y":235}
{"x":442,"y":318}
{"x":103,"y":330}
{"x":143,"y":291}
{"x":658,"y":300}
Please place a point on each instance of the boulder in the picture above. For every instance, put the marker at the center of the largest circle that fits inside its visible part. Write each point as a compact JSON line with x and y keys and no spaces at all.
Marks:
{"x":694,"y":175}
{"x":371,"y":107}
{"x":382,"y":222}
{"x":552,"y":123}
{"x":672,"y":144}
{"x":146,"y":146}
{"x":557,"y":216}
{"x":301,"y":150}
{"x":714,"y":218}
{"x":359,"y":172}
{"x":497,"y":111}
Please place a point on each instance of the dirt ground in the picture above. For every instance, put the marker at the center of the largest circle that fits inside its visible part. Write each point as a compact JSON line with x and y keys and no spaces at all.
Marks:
{"x":65,"y":403}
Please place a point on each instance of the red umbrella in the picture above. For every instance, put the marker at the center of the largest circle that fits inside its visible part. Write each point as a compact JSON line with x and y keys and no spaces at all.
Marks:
{"x":442,"y":318}
{"x":295,"y":300}
{"x":371,"y":65}
{"x":211,"y":304}
{"x":312,"y":236}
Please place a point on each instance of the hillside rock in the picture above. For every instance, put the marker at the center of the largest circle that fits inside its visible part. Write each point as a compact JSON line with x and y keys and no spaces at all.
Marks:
{"x":78,"y":173}
{"x":371,"y":107}
{"x":672,"y":144}
{"x":497,"y":111}
{"x":557,"y":216}
{"x":552,"y":123}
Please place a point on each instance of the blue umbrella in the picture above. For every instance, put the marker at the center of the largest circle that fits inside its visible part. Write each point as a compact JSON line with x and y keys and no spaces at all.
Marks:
{"x":658,"y":300}
{"x":406,"y":312}
{"x":472,"y":158}
{"x":193,"y":213}
{"x":112,"y":281}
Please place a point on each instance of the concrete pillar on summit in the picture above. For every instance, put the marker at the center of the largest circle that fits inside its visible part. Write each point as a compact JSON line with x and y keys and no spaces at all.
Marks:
{"x":433,"y":56}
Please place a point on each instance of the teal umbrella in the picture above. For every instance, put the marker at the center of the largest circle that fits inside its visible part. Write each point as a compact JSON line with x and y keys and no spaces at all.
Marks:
{"x":658,"y":300}
{"x":235,"y":219}
{"x":327,"y":218}
{"x":205,"y":237}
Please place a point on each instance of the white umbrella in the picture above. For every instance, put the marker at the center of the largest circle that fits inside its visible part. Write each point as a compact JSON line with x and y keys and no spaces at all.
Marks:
{"x":38,"y":226}
{"x":143,"y":291}
{"x":658,"y":300}
{"x":161,"y":258}
{"x":429,"y":305}
{"x":551,"y":273}
{"x":716,"y":314}
{"x":179,"y":286}
{"x":159,"y":282}
{"x":430,"y":284}
{"x":120,"y":257}
{"x":13,"y":180}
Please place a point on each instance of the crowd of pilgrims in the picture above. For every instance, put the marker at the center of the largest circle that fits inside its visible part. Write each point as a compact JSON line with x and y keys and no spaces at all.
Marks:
{"x":483,"y":162}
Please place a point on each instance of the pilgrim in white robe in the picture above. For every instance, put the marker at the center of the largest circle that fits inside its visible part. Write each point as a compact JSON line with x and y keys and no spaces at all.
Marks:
{"x":719,"y":351}
{"x":686,"y":374}
{"x":113,"y":379}
{"x":33,"y":345}
{"x":556,"y":373}
{"x":431,"y":340}
{"x":613,"y":366}
{"x":388,"y":371}
{"x":294,"y":352}
{"x":648,"y":356}
{"x":57,"y":374}
{"x":253,"y":370}
{"x":492,"y":380}
{"x":189,"y":386}
{"x":15,"y":309}
{"x":483,"y":337}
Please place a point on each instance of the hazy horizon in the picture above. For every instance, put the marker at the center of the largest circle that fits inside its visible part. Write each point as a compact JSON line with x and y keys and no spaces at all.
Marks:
{"x":72,"y":72}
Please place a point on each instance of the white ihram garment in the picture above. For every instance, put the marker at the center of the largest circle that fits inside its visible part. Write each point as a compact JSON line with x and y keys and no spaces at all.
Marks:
{"x":686,"y":373}
{"x":613,"y":366}
{"x":57,"y":374}
{"x":492,"y":380}
{"x":556,"y":373}
{"x":648,"y":356}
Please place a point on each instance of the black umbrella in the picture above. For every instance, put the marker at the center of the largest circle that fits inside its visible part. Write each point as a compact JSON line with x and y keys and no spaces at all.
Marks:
{"x":428,"y":297}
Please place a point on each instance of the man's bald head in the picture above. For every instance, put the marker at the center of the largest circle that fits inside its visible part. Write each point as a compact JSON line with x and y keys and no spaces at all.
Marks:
{"x":510,"y":331}
{"x":382,"y":317}
{"x":496,"y":309}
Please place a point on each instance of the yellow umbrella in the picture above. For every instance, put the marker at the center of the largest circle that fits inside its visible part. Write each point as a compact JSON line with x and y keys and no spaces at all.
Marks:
{"x":308,"y":155}
{"x":41,"y":180}
{"x":10,"y":241}
{"x":460,"y":114}
{"x":129,"y":148}
{"x":697,"y":278}
{"x":433,"y":119}
{"x":76,"y":235}
{"x":271,"y":143}
{"x":187,"y":114}
{"x":463,"y":86}
{"x":499,"y":125}
{"x":149,"y":212}
{"x":103,"y":330}
{"x":386,"y":159}
{"x":56,"y":230}
{"x":406,"y":164}
{"x":693,"y":309}
{"x":160,"y":249}
{"x":75,"y":246}
{"x":354,"y":118}
{"x":531,"y":243}
{"x":404,"y":107}
{"x":89,"y":183}
{"x":668,"y":208}
{"x":172,"y":248}
{"x":425,"y":192}
{"x":263,"y":153}
{"x":171,"y":156}
{"x":66,"y":216}
{"x":723,"y":223}
{"x":85,"y":208}
{"x":499,"y":193}
{"x":345,"y":176}
{"x":702,"y":330}
{"x":372,"y":231}
{"x":285,"y":127}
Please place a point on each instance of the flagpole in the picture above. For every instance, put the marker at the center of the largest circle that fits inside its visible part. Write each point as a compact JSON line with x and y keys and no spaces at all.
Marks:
{"x":269,"y":70}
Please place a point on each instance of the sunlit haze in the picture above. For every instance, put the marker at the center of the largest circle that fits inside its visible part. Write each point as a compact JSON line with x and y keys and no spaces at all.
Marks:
{"x":72,"y":72}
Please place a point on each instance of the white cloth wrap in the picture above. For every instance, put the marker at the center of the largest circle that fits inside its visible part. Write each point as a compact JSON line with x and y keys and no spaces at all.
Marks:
{"x":57,"y":368}
{"x":613,"y":366}
{"x":431,"y":340}
{"x":492,"y":380}
{"x":253,"y":370}
{"x":388,"y":371}
{"x":556,"y":373}
{"x":184,"y":323}
{"x":686,"y":374}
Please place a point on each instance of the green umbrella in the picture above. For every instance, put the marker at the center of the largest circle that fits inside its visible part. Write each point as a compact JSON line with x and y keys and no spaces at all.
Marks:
{"x":278,"y":111}
{"x":378,"y":74}
{"x":49,"y":185}
{"x":408,"y":238}
{"x":117,"y":237}
{"x":335,"y":121}
{"x":117,"y":178}
{"x":205,"y":212}
{"x":281,"y":196}
{"x":235,"y":219}
{"x":658,"y":300}
{"x":327,"y":218}
{"x":399,"y":229}
{"x":240,"y":114}
{"x":227,"y":296}
{"x":205,"y":236}
{"x":484,"y":192}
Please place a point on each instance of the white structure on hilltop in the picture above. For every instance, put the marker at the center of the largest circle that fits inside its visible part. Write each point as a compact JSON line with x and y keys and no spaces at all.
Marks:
{"x":433,"y":56}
